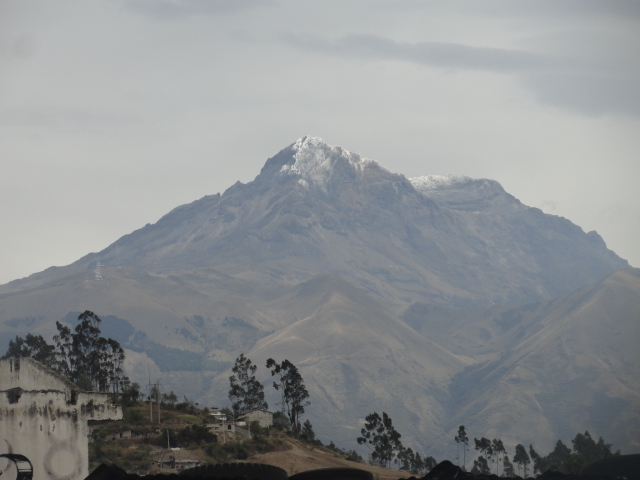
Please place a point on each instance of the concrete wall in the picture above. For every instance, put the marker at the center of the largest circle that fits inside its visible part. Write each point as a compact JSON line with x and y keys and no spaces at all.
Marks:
{"x":44,"y":417}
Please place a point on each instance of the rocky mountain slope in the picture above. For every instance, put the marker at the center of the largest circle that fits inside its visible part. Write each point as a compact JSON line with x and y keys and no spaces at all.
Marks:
{"x":394,"y":294}
{"x":314,"y":208}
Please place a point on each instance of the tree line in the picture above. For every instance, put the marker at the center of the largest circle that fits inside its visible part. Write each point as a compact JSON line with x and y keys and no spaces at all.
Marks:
{"x":95,"y":363}
{"x":562,"y":459}
{"x":385,"y":446}
{"x":82,"y":355}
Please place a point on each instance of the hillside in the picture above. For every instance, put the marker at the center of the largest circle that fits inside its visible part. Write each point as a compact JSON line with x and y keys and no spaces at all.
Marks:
{"x":270,"y":446}
{"x":296,"y":457}
{"x":563,"y":361}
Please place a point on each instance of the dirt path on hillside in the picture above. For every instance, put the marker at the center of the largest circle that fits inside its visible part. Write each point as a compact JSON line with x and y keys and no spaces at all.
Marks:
{"x":296,"y":458}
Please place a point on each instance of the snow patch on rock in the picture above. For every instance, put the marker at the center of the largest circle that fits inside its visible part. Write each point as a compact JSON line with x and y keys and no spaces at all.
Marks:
{"x":433,"y":182}
{"x":316,"y":161}
{"x":461,"y":190}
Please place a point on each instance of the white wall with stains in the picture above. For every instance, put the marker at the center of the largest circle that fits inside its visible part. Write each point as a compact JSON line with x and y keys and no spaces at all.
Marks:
{"x":44,"y":417}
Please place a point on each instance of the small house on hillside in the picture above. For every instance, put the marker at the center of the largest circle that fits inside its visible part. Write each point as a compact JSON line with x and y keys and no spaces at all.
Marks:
{"x":218,"y":416}
{"x":221,"y":427}
{"x":263,"y":417}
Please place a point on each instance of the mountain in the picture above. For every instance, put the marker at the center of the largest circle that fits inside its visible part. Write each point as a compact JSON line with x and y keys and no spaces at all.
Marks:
{"x":314,"y":208}
{"x":441,"y":300}
{"x":557,"y":367}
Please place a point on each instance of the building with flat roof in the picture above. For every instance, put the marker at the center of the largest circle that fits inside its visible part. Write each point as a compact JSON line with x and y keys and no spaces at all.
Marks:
{"x":263,"y":417}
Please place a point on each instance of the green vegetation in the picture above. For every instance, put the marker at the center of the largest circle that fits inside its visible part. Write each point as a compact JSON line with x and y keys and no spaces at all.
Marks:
{"x":492,"y":451}
{"x":561,"y":459}
{"x":246,"y":393}
{"x":188,"y":432}
{"x":379,"y":433}
{"x":521,"y":458}
{"x":350,"y":455}
{"x":33,"y":346}
{"x":481,"y":465}
{"x":83,"y":356}
{"x":294,"y":392}
{"x":462,"y":439}
{"x":382,"y":436}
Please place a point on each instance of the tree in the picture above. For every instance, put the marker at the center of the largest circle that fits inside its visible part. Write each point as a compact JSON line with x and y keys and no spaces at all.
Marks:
{"x":508,"y":467}
{"x":307,"y":434}
{"x":90,"y":349}
{"x":246,"y":393}
{"x":429,"y":462}
{"x":294,"y":393}
{"x":539,"y":466}
{"x":131,"y":394}
{"x":33,"y":346}
{"x":497,"y":447}
{"x":485,"y":447}
{"x":83,"y":356}
{"x":559,"y":459}
{"x":280,"y":421}
{"x":88,"y":359}
{"x":406,"y":459}
{"x":170,"y":398}
{"x":113,"y":365}
{"x":563,"y":459}
{"x":590,"y":451}
{"x":480,"y":466}
{"x":417,"y":464}
{"x":382,"y":436}
{"x":413,"y":462}
{"x":462,"y":438}
{"x":521,"y":458}
{"x":64,"y":352}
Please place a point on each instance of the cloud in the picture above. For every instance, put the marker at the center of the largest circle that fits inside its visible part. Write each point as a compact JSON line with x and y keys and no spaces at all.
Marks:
{"x":566,"y":8}
{"x":589,"y":93}
{"x":552,"y":9}
{"x":593,"y":85}
{"x":439,"y":54}
{"x":172,"y":9}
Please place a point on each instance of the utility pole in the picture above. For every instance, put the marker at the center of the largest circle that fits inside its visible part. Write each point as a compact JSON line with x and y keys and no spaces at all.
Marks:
{"x":158,"y":385}
{"x":149,"y":386}
{"x":283,"y":403}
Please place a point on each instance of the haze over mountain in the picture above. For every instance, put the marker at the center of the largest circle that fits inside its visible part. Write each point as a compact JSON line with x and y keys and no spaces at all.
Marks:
{"x":394,"y":294}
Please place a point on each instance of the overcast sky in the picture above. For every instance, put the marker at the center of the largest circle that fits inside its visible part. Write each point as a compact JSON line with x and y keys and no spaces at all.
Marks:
{"x":113,"y":112}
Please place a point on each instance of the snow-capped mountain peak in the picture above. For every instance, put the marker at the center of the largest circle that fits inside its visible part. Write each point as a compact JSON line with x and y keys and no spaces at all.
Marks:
{"x":316,"y":162}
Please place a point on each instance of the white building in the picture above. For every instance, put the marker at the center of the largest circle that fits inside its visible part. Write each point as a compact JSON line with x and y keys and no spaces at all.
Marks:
{"x":44,"y":416}
{"x":263,"y":417}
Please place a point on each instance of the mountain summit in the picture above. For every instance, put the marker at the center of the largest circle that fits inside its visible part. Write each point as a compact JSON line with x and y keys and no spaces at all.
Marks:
{"x":316,"y":163}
